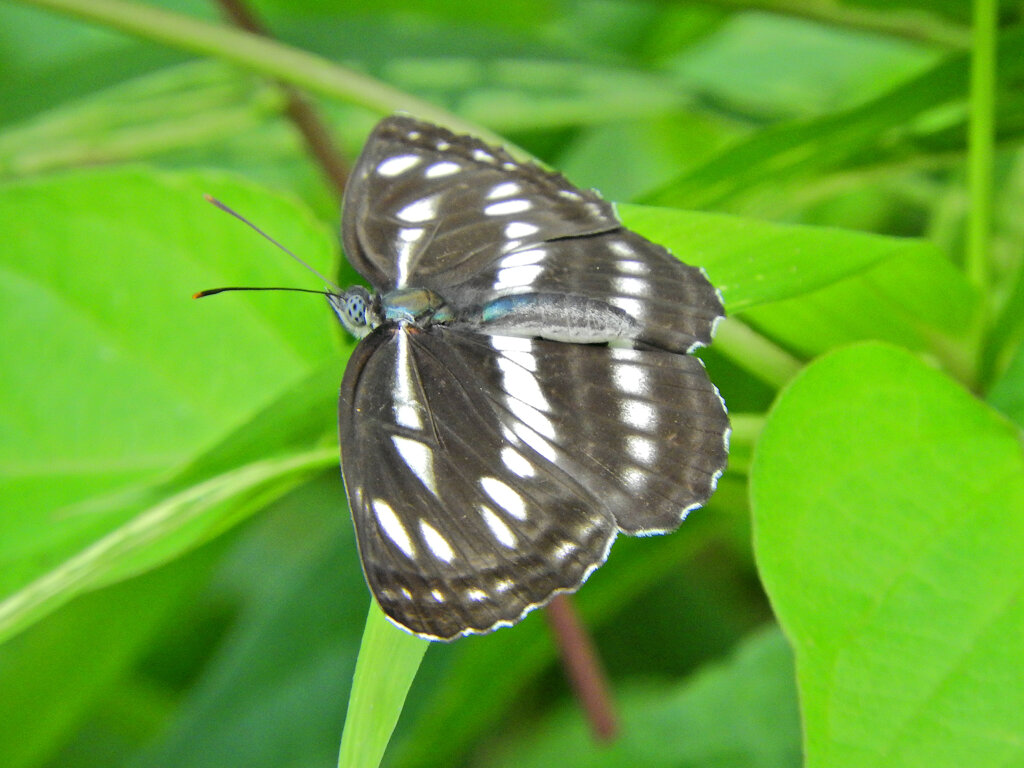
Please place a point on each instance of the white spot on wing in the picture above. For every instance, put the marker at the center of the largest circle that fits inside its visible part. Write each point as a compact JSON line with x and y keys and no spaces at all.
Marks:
{"x":631,"y":286}
{"x":392,"y":527}
{"x":621,"y":248}
{"x":437,"y":543}
{"x":634,"y":479}
{"x":632,"y":267}
{"x":405,"y":252}
{"x":476,"y":595}
{"x":532,"y":418}
{"x":424,"y":209}
{"x":511,"y":343}
{"x":504,"y":496}
{"x":517,"y":349}
{"x":396,"y":166}
{"x":638,"y":414}
{"x":410,"y":234}
{"x":516,"y":462}
{"x":634,"y":307}
{"x":640,"y":448}
{"x":623,"y":353}
{"x":630,"y":378}
{"x":441,"y":169}
{"x":419,"y":457}
{"x":508,"y":207}
{"x":523,"y":258}
{"x":522,"y":384}
{"x":505,"y":189}
{"x":405,"y":408}
{"x":517,"y":277}
{"x":517,"y":229}
{"x":564,"y":549}
{"x":533,"y":438}
{"x":483,"y":156}
{"x":525,"y":359}
{"x":438,"y":595}
{"x":499,"y":529}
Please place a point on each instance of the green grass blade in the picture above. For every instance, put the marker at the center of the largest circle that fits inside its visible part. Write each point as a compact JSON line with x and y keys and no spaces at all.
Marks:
{"x":981,"y":140}
{"x":388,"y":661}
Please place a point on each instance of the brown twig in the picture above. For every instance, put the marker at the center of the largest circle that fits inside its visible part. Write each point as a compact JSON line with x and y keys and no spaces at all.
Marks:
{"x":583,"y":668}
{"x":300,"y":111}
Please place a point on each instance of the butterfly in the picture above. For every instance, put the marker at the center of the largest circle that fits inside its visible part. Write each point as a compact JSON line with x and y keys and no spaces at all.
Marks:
{"x":521,"y":391}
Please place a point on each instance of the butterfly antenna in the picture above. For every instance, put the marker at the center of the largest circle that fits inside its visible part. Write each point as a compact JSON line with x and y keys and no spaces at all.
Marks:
{"x":214,"y":291}
{"x":241,"y":218}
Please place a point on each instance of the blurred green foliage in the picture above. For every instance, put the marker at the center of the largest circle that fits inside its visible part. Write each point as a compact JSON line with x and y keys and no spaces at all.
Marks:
{"x":179,"y":584}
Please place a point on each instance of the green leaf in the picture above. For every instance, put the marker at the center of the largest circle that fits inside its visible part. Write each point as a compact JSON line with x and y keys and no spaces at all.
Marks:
{"x":732,"y":70}
{"x":901,"y":118}
{"x":754,"y":262}
{"x":53,"y":675}
{"x":741,"y":713}
{"x":1007,"y":394}
{"x":814,"y":288}
{"x":272,"y":694}
{"x":917,"y":299}
{"x":889,"y":534}
{"x":150,"y":115}
{"x":135,"y":380}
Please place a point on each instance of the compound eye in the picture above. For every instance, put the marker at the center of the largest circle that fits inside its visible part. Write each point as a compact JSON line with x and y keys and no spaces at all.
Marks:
{"x":356,"y":310}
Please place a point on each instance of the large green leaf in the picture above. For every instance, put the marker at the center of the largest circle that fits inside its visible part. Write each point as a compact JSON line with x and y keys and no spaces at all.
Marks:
{"x":756,"y":262}
{"x":53,"y":675}
{"x":814,"y":288}
{"x":290,"y":647}
{"x":114,"y":378}
{"x":1007,"y":394}
{"x":889,"y":530}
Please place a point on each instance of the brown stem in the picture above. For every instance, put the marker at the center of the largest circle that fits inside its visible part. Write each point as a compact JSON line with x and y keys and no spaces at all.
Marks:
{"x":583,"y":668}
{"x":300,"y":111}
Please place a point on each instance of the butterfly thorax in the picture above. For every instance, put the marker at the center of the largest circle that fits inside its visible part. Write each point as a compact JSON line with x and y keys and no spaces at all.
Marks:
{"x":362,"y":312}
{"x":418,"y":306}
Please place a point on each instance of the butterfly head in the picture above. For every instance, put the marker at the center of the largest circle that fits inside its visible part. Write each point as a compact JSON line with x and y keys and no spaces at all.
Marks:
{"x":358,"y":310}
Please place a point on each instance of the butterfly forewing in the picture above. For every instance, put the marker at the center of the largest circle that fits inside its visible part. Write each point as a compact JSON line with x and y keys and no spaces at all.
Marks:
{"x":472,"y":224}
{"x":428,"y":207}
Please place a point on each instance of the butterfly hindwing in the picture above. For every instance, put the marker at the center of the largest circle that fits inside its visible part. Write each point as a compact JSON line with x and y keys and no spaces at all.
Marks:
{"x":458,"y":531}
{"x":644,"y":431}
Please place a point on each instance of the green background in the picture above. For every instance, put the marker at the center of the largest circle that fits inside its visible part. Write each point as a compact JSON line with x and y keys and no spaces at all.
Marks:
{"x":179,"y":584}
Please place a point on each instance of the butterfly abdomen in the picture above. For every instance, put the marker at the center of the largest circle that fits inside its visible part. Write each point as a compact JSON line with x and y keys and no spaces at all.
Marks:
{"x":559,"y":317}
